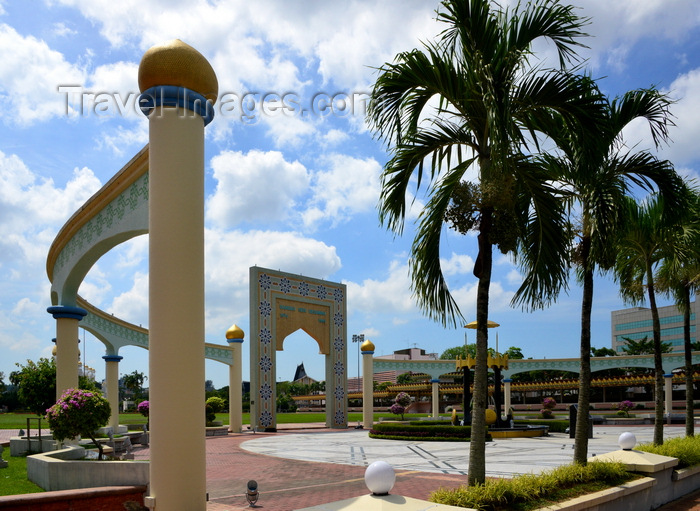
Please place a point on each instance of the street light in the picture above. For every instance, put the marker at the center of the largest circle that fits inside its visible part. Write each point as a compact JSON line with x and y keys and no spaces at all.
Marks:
{"x":359,"y":339}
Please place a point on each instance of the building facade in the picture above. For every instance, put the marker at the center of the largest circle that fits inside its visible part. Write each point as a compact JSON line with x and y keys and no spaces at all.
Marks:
{"x":635,"y":323}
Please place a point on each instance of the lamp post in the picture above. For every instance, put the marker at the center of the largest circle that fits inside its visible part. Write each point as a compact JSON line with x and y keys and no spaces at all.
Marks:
{"x":359,"y":339}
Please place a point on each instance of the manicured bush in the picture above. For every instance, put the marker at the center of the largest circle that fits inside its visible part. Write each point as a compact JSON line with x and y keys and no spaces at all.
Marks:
{"x":417,"y":430}
{"x":78,"y":413}
{"x":625,"y":407}
{"x":216,"y":403}
{"x":535,"y":490}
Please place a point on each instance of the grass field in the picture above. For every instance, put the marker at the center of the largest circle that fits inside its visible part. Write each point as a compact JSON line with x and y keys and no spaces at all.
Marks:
{"x":13,"y":479}
{"x":19,"y":420}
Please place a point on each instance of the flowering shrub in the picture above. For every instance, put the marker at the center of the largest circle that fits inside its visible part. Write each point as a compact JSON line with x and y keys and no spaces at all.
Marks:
{"x":549,"y":402}
{"x":625,"y":407}
{"x":397,"y":409}
{"x":78,"y":413}
{"x":548,"y":405}
{"x":403,"y":399}
{"x":143,"y":408}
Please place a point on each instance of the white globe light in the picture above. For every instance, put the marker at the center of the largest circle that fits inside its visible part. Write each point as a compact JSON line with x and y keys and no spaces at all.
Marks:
{"x":627,"y":441}
{"x":380,"y":478}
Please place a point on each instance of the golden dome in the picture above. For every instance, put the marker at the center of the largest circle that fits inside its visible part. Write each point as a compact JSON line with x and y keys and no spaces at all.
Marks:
{"x":177,"y":63}
{"x":367,"y":346}
{"x":235,"y":332}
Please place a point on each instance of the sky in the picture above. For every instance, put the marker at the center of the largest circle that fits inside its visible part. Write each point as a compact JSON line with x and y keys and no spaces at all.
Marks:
{"x":284,"y":190}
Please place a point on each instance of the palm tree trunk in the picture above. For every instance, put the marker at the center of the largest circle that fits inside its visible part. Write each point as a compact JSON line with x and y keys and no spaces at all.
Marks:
{"x":689,"y":384}
{"x":658,"y":363}
{"x":584,"y":385}
{"x":477,"y":444}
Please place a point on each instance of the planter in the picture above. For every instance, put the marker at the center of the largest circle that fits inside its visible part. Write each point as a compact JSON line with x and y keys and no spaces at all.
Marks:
{"x":65,"y":470}
{"x":216,"y":431}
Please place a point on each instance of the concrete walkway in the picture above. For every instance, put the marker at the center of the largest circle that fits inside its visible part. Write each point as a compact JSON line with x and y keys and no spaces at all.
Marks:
{"x":504,"y":457}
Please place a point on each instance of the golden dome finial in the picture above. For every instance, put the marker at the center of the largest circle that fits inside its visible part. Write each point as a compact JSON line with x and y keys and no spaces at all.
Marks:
{"x":234,"y":332}
{"x":177,"y":63}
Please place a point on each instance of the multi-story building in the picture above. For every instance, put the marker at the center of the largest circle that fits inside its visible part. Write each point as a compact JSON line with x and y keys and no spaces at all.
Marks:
{"x":355,"y":383}
{"x":635,"y":324}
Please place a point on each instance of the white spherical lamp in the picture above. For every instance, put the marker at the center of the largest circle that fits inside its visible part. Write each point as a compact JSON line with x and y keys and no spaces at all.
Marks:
{"x":380,"y":478}
{"x":627,"y":441}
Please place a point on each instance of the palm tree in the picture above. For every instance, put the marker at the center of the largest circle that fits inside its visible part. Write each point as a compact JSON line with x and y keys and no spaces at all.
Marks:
{"x":599,"y":171}
{"x":679,"y":277}
{"x":469,"y":102}
{"x":643,"y":244}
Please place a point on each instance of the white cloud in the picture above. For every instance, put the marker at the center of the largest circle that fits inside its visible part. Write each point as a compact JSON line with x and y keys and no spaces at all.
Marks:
{"x":29,"y":206}
{"x":30,"y":73}
{"x":349,"y":186}
{"x":684,"y":147}
{"x":256,"y":186}
{"x":123,"y":140}
{"x":132,"y":305}
{"x":457,"y":264}
{"x":389,"y":296}
{"x":61,"y":30}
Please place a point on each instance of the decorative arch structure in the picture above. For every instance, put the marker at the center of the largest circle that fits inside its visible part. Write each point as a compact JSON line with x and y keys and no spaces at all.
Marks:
{"x":280,"y":304}
{"x":115,"y":214}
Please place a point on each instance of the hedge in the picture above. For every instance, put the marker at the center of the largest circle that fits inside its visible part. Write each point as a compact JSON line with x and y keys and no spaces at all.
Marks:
{"x":418,"y":430}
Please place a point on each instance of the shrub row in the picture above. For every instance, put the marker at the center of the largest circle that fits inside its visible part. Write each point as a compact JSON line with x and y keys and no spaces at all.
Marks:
{"x":539,"y":489}
{"x":418,"y":430}
{"x":686,"y":449}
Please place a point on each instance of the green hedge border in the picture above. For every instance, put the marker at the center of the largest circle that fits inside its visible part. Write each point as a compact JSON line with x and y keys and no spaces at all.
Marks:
{"x":436,"y":431}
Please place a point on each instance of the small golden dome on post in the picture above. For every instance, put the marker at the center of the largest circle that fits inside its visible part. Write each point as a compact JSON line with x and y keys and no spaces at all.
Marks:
{"x":234,"y":332}
{"x":367,"y":346}
{"x":177,"y":63}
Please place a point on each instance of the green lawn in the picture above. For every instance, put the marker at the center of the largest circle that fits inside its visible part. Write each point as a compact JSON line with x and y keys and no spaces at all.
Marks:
{"x":19,"y":420}
{"x":13,"y":479}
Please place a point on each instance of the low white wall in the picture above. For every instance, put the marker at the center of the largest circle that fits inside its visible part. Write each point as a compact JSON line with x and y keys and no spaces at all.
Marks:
{"x":64,"y":470}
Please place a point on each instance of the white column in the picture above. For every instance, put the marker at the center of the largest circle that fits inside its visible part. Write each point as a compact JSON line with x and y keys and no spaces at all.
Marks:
{"x":668,"y":391}
{"x":235,"y":388}
{"x":112,"y":380}
{"x":67,"y":349}
{"x":367,"y":389}
{"x":176,"y":302}
{"x":435,"y":383}
{"x":506,"y":393}
{"x":176,"y":272}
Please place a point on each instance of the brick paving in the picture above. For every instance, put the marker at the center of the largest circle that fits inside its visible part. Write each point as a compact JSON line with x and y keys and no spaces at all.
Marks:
{"x":286,"y":485}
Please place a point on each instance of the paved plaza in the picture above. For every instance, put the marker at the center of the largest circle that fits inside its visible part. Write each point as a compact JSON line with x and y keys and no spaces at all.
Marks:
{"x":297,"y":468}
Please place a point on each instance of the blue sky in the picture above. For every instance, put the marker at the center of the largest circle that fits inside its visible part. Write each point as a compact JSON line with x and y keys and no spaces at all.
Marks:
{"x":286,"y":191}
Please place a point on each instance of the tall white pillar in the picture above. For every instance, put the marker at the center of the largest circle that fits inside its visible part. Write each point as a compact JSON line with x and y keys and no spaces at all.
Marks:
{"x":67,"y":349}
{"x":435,"y":384}
{"x":367,"y":349}
{"x":175,"y":82}
{"x":668,"y":394}
{"x":506,"y":392}
{"x":234,"y":336}
{"x":112,"y":379}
